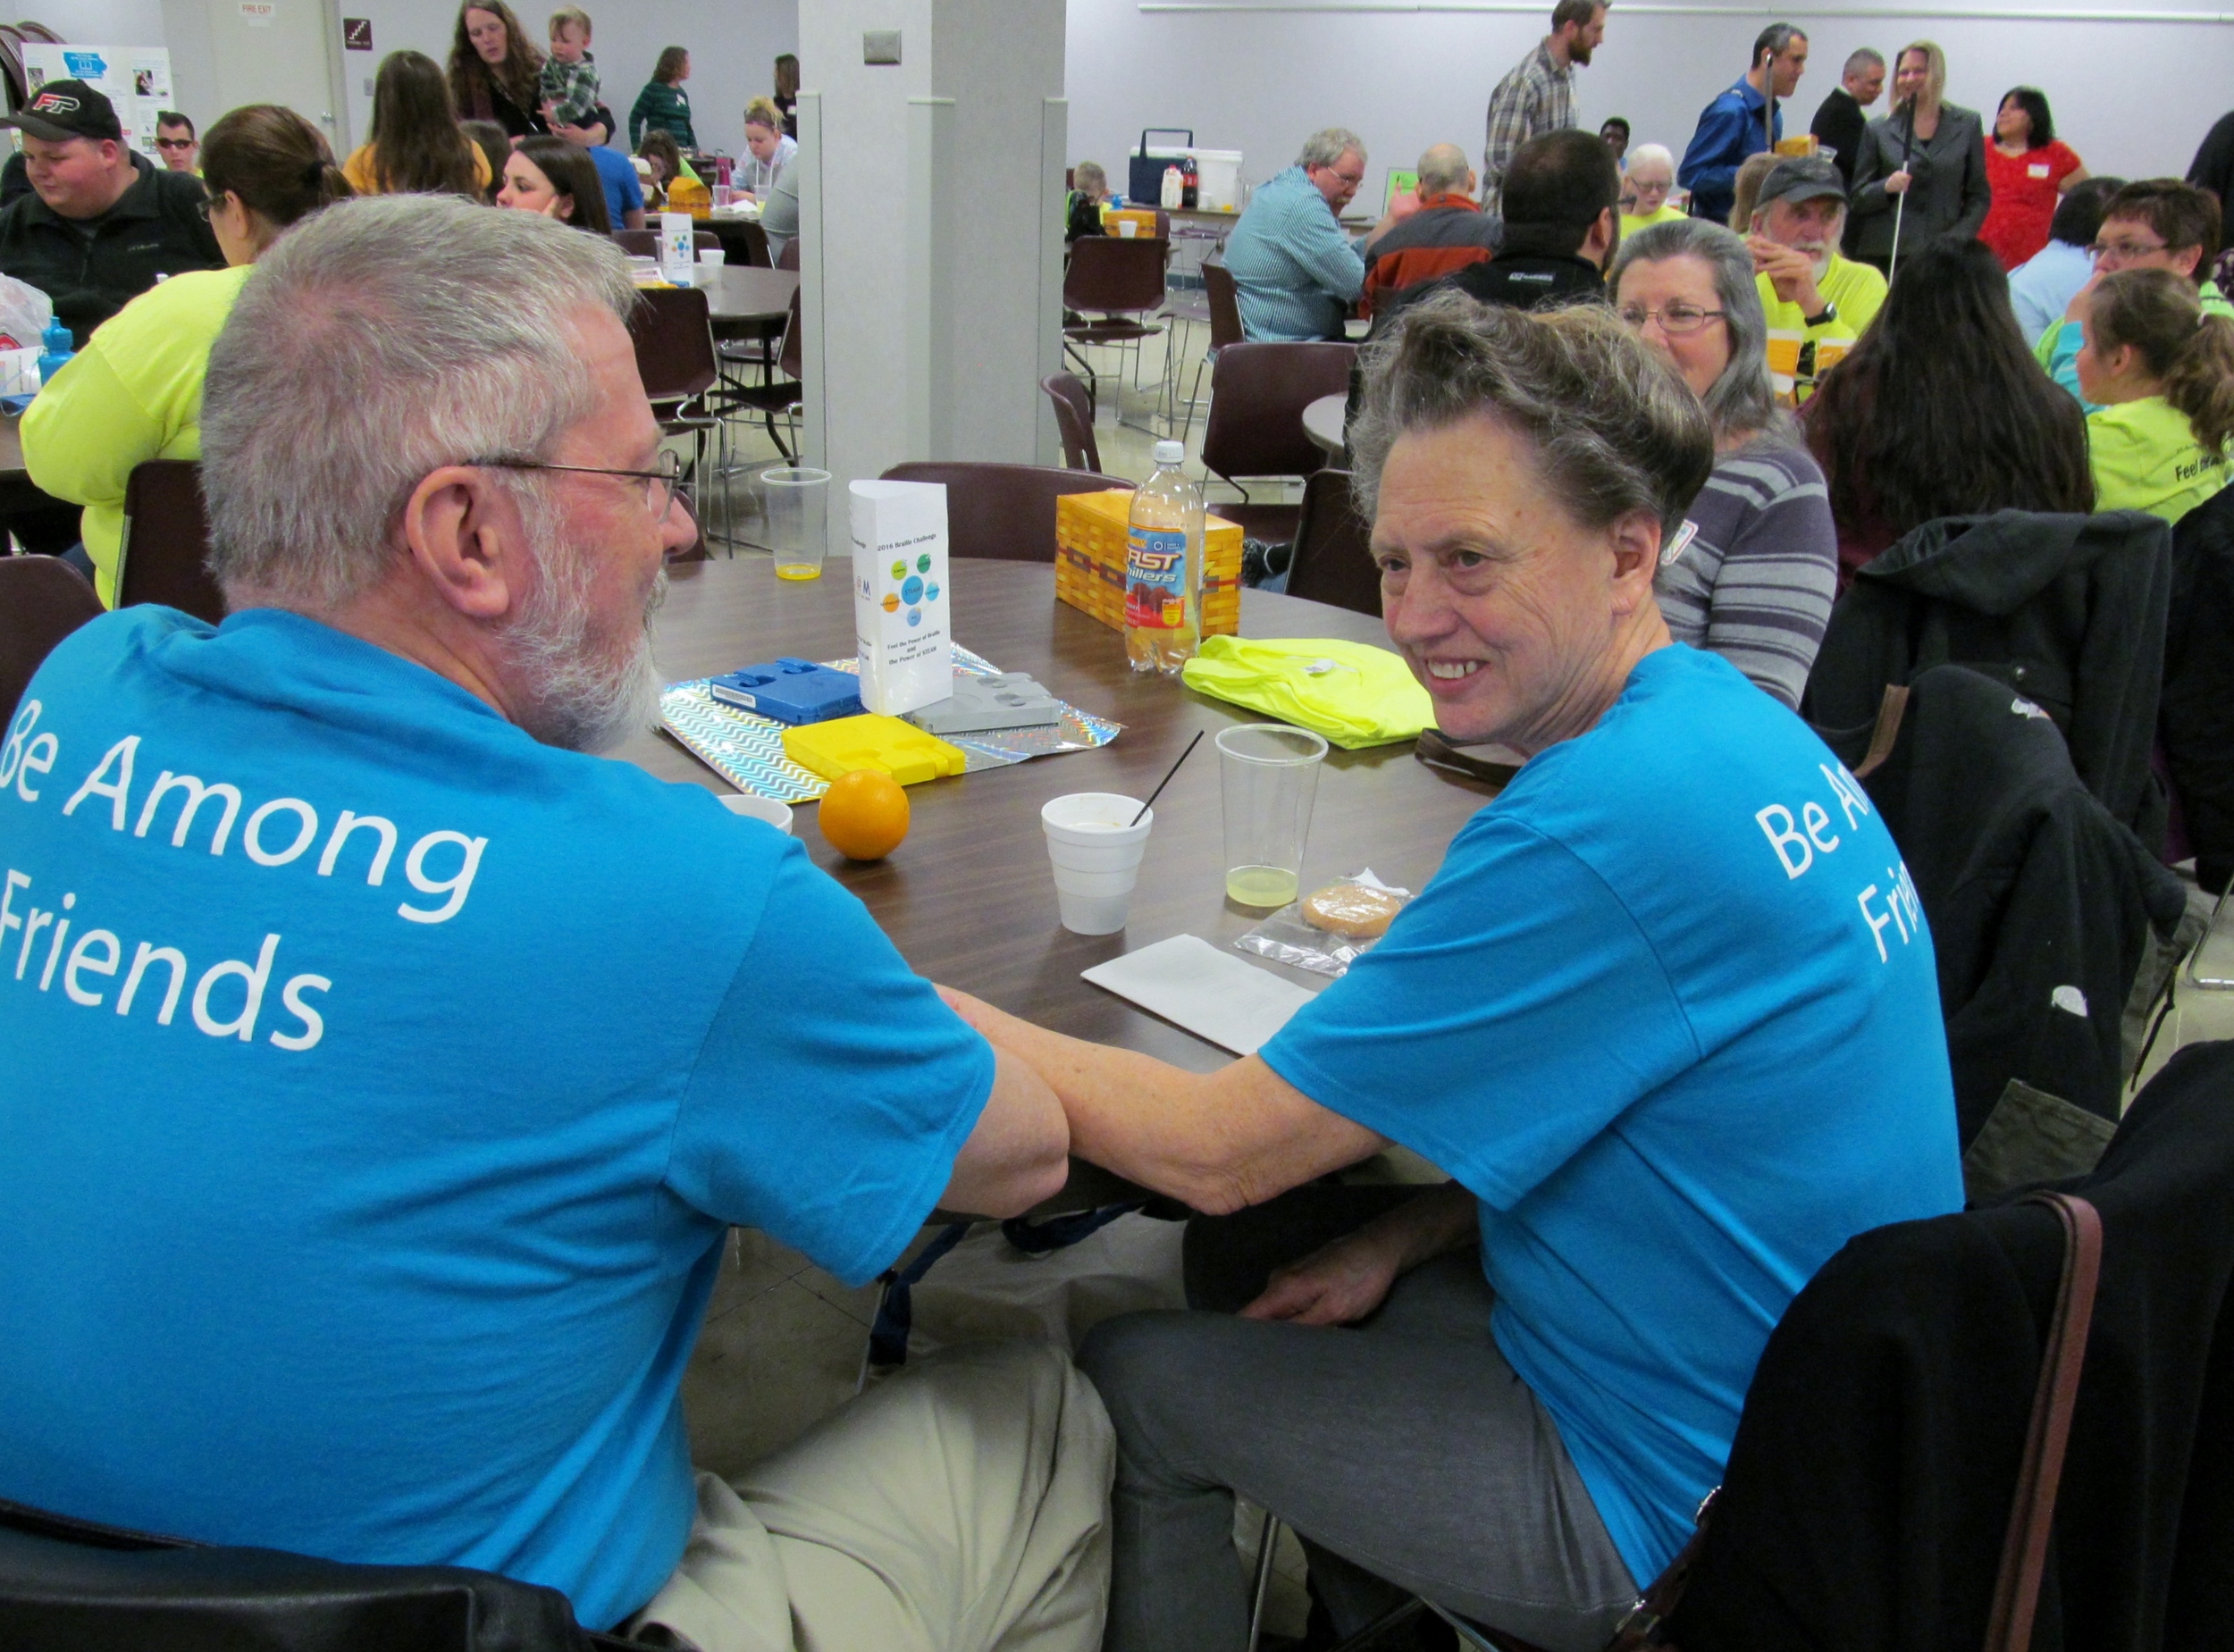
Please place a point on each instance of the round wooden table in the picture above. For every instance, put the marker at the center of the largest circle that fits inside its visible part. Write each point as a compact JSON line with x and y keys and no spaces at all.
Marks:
{"x":1322,"y":422}
{"x":969,"y":898}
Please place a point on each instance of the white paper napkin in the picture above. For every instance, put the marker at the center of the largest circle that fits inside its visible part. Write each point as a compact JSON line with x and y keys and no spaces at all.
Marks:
{"x":1205,"y":989}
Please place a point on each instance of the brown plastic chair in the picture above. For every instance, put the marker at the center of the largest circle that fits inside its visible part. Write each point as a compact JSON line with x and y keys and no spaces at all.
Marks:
{"x":1112,"y":286}
{"x":1334,"y":556}
{"x":1005,"y":512}
{"x":42,"y":601}
{"x":1074,"y":418}
{"x":675,"y":357}
{"x":788,"y":259}
{"x":1224,"y":304}
{"x":1257,"y":395}
{"x":164,"y":556}
{"x":772,"y":396}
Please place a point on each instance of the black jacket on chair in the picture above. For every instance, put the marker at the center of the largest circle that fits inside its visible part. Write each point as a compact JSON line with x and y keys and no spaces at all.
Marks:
{"x":1870,"y":1480}
{"x":2039,"y":903}
{"x":2195,"y":721}
{"x":2067,"y":610}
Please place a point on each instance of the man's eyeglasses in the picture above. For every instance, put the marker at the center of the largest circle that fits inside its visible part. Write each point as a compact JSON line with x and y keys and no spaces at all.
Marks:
{"x":174,"y":143}
{"x":1675,"y":320}
{"x":2122,"y":250}
{"x":661,"y":487}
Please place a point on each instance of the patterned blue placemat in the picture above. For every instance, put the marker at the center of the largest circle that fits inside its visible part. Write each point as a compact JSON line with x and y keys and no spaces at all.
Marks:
{"x":747,"y":750}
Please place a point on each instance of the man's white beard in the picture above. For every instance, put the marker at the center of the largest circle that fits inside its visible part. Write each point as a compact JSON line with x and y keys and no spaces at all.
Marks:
{"x":575,"y":696}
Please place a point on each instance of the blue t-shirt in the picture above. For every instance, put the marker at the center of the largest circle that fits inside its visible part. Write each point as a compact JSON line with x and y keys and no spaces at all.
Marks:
{"x":623,"y":194}
{"x":1669,"y":1011}
{"x":376,"y":1087}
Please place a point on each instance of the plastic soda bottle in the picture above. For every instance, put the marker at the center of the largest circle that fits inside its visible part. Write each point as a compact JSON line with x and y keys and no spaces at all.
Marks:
{"x":1163,"y":568}
{"x":56,"y":351}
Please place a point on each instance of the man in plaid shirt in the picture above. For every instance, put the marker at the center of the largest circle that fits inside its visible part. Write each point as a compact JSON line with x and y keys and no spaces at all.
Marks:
{"x":1539,"y":95}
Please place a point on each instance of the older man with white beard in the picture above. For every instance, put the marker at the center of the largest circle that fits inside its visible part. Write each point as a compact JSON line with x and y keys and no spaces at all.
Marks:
{"x":1809,"y":293}
{"x":384,"y":1070}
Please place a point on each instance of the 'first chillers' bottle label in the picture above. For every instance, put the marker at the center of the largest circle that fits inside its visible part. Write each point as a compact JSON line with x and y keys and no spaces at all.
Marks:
{"x":1156,"y":579}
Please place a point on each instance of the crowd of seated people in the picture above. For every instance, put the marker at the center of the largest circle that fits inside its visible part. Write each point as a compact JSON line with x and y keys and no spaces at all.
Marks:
{"x":474,"y":1231}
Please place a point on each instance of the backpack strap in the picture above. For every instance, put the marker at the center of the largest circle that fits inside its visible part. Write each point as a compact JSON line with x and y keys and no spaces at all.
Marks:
{"x":2063,"y":1358}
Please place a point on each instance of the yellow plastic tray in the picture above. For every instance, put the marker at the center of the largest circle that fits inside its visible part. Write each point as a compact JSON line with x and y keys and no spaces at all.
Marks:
{"x":898,"y":749}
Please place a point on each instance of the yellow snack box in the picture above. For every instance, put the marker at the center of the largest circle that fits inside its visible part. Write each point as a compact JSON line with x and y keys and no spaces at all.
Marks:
{"x":1090,"y":538}
{"x":898,"y":749}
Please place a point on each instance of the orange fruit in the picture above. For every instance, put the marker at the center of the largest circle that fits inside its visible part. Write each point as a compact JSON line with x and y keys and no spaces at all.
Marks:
{"x":864,"y":814}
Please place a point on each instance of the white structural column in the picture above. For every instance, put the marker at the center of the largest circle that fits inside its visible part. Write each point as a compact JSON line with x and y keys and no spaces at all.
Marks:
{"x":932,"y":254}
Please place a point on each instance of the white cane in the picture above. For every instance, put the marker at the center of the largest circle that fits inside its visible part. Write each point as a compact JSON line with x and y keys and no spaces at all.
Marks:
{"x":1900,"y":204}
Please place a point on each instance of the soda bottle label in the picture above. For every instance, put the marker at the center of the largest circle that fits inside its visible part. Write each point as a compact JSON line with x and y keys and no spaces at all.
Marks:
{"x":1156,"y":579}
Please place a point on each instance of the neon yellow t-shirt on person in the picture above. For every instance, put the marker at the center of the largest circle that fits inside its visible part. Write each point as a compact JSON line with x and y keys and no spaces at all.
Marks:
{"x":1664,"y":213}
{"x":2146,"y":458}
{"x":133,"y":393}
{"x":1854,"y":290}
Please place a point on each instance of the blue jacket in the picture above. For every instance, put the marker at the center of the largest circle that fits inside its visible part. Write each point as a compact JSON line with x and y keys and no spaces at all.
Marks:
{"x":1729,"y":130}
{"x":1294,"y":270}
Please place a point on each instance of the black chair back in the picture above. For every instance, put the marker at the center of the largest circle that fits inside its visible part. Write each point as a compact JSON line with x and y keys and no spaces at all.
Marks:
{"x":72,"y":1585}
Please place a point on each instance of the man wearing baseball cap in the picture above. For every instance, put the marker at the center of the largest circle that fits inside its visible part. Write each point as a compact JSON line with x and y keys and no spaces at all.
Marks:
{"x":101,"y":224}
{"x":1812,"y":295}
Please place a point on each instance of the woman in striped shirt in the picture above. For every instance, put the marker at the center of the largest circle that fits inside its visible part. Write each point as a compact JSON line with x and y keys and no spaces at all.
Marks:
{"x":1754,"y":584}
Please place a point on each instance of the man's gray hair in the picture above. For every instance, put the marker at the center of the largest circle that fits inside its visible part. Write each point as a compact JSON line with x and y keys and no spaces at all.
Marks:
{"x":1325,"y":149}
{"x":1444,"y":169}
{"x":380,"y":340}
{"x":1860,"y":58}
{"x":1613,"y":428}
{"x":1742,"y":402}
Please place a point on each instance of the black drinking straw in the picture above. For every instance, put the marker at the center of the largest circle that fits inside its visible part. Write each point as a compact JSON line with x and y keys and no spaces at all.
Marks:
{"x":1167,"y":778}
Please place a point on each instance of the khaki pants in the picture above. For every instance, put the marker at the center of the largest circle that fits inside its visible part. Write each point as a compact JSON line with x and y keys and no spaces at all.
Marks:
{"x":961,"y":1505}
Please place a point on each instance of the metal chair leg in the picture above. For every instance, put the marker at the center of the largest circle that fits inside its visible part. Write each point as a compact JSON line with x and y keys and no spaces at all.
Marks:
{"x":1267,"y":1540}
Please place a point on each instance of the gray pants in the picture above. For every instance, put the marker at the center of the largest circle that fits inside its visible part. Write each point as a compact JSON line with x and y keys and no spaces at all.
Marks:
{"x":1404,"y":1450}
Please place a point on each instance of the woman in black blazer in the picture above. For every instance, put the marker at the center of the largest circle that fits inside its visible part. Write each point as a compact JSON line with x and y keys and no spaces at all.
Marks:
{"x":1933,"y":152}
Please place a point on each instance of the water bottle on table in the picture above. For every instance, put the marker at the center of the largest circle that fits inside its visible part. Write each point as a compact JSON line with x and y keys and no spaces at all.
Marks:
{"x":1163,"y":568}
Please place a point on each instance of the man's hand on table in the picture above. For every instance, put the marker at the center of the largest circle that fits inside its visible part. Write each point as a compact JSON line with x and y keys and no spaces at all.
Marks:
{"x":1341,"y":1283}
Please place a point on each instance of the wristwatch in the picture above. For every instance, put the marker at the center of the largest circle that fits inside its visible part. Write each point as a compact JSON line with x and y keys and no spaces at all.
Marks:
{"x":1829,"y":314}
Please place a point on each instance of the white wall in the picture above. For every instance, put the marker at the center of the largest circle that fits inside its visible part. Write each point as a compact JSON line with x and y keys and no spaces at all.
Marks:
{"x":2133,"y":97}
{"x":104,"y":22}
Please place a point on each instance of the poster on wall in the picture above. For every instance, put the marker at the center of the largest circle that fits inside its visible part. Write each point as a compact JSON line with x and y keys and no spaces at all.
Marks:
{"x":136,"y":78}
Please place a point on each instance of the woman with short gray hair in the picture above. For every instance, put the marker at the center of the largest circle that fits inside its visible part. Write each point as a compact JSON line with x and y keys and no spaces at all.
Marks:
{"x":1637,"y":1015}
{"x":1756,"y":580}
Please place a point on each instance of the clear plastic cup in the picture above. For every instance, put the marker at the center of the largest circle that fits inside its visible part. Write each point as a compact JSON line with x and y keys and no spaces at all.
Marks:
{"x":1096,"y":851}
{"x":1127,"y":229}
{"x":798,"y":520}
{"x":1268,"y":774}
{"x":712,"y":257}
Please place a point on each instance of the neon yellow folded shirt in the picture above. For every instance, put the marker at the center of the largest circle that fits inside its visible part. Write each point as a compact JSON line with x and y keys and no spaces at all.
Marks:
{"x":133,"y":393}
{"x":1354,"y":694}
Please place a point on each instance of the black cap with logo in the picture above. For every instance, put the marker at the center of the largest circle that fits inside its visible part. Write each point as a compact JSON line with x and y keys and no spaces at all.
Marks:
{"x":61,"y":110}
